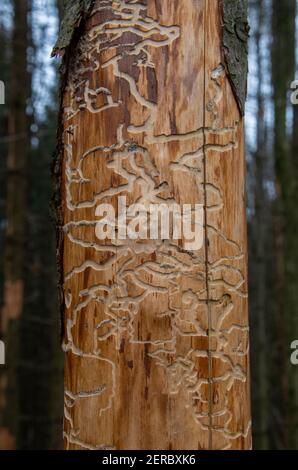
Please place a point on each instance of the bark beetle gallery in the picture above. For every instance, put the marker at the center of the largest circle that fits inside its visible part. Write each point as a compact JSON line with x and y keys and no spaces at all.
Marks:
{"x":155,"y":336}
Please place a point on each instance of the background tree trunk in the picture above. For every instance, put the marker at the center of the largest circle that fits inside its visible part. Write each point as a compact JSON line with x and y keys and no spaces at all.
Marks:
{"x":14,"y":258}
{"x":156,"y":336}
{"x":286,"y":245}
{"x":259,"y":242}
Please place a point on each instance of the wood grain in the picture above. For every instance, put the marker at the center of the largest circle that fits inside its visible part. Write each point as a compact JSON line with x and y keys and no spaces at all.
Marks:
{"x":156,"y":336}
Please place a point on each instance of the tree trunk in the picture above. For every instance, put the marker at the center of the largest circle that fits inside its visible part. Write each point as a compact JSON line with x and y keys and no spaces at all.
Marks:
{"x":286,"y":249}
{"x":16,"y":220}
{"x":59,"y":6}
{"x":259,"y":243}
{"x":156,"y":331}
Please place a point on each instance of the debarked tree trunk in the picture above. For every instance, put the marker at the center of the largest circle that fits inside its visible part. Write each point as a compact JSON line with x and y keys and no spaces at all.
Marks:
{"x":155,"y":328}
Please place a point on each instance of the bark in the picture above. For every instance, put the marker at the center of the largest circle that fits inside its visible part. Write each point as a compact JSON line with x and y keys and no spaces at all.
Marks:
{"x":60,"y":9}
{"x":155,"y":334}
{"x":235,"y":47}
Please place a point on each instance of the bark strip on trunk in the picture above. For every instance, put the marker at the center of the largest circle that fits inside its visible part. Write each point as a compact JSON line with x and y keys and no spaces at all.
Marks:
{"x":156,"y":334}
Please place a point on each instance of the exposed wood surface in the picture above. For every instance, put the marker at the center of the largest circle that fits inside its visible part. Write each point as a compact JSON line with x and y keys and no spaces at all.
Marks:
{"x":156,"y":337}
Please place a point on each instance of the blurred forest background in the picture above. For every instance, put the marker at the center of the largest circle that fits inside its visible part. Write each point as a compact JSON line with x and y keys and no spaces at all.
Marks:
{"x":31,"y":384}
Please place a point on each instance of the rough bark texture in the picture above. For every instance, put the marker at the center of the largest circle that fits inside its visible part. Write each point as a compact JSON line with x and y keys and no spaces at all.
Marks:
{"x":156,"y":337}
{"x":75,"y":12}
{"x":235,"y":46}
